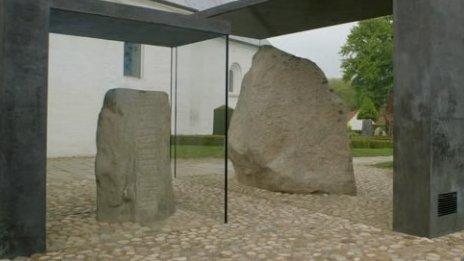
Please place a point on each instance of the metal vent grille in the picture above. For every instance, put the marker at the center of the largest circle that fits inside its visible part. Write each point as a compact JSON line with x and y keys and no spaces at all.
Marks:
{"x":447,"y":204}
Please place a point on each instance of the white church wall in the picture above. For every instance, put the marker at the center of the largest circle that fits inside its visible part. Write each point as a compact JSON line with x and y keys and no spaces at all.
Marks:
{"x":82,"y":70}
{"x":202,"y":82}
{"x":201,"y":85}
{"x":241,"y":54}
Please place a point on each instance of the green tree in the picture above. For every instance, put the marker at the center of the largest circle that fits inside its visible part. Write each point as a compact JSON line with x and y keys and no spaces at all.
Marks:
{"x":346,"y":92}
{"x":368,"y":59}
{"x":368,"y":110}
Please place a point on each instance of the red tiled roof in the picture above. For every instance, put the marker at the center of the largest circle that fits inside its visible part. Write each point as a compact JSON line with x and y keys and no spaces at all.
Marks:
{"x":351,"y":115}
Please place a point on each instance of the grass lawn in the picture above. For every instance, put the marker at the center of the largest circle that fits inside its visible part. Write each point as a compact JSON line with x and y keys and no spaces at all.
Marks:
{"x":195,"y":151}
{"x":372,"y":152}
{"x":384,"y":165}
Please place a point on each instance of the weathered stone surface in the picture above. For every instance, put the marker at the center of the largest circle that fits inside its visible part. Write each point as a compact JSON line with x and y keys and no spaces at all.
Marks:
{"x":367,"y":127}
{"x":264,"y":227}
{"x":288,"y":132}
{"x":133,"y":164}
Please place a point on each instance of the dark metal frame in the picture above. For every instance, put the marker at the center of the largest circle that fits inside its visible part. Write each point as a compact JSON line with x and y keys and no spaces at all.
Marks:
{"x":424,"y":68}
{"x":111,"y":21}
{"x":428,"y":93}
{"x":24,"y":29}
{"x":174,"y":105}
{"x":175,"y":110}
{"x":226,"y":139}
{"x":262,"y":19}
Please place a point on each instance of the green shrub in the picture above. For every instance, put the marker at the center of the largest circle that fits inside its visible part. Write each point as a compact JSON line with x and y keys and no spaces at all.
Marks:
{"x":203,"y":140}
{"x":346,"y":92}
{"x":359,"y":142}
{"x":361,"y":137}
{"x":198,"y":151}
{"x":355,"y":134}
{"x":367,"y":110}
{"x":373,"y":143}
{"x":381,"y":138}
{"x":372,"y":152}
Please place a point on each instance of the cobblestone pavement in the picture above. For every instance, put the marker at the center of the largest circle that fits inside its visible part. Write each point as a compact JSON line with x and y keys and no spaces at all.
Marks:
{"x":263,"y":225}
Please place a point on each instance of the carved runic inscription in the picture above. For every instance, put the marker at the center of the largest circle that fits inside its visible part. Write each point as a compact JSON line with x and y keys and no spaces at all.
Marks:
{"x":145,"y":141}
{"x":133,"y":157}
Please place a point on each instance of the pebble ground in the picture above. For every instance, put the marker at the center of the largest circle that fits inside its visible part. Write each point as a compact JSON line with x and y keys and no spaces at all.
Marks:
{"x":262,"y":225}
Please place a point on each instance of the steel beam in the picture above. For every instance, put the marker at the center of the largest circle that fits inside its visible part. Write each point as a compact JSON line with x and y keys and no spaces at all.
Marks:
{"x":263,"y":19}
{"x":111,"y":21}
{"x":23,"y":110}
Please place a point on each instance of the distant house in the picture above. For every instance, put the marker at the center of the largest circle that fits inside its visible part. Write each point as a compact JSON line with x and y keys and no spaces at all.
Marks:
{"x":354,"y":123}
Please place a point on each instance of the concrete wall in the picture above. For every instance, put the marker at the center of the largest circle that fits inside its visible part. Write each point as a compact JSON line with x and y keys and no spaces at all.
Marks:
{"x":429,"y":116}
{"x":81,"y":70}
{"x":23,"y":92}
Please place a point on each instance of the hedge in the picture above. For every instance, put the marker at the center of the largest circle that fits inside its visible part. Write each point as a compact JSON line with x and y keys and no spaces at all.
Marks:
{"x":358,"y":142}
{"x":203,"y":140}
{"x":371,"y":143}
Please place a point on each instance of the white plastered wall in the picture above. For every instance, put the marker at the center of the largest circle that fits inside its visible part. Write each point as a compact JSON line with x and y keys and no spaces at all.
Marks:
{"x":82,"y":70}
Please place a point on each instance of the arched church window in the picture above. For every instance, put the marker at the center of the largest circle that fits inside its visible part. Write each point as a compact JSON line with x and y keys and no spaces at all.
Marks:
{"x":231,"y":81}
{"x":235,"y":78}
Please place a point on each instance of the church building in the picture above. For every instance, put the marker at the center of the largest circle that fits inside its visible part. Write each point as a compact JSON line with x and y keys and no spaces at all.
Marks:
{"x":82,"y":70}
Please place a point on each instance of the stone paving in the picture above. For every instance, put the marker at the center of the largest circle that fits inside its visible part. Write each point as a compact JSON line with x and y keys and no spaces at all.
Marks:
{"x":263,"y":225}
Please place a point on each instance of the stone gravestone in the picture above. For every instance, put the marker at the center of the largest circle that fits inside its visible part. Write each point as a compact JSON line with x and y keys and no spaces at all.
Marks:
{"x":367,"y":127}
{"x":219,"y":119}
{"x":379,"y":132}
{"x":132,"y":166}
{"x":288,"y":132}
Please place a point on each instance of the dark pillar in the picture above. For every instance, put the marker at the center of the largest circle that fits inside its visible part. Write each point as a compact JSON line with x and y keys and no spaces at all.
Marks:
{"x":429,"y":117}
{"x":23,"y":94}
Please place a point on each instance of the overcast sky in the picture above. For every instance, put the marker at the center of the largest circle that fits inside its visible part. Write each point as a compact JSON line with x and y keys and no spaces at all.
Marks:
{"x":322,"y":46}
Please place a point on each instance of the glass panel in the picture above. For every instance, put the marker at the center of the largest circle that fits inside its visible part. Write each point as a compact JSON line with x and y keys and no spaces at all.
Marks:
{"x":74,"y":106}
{"x":200,"y":148}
